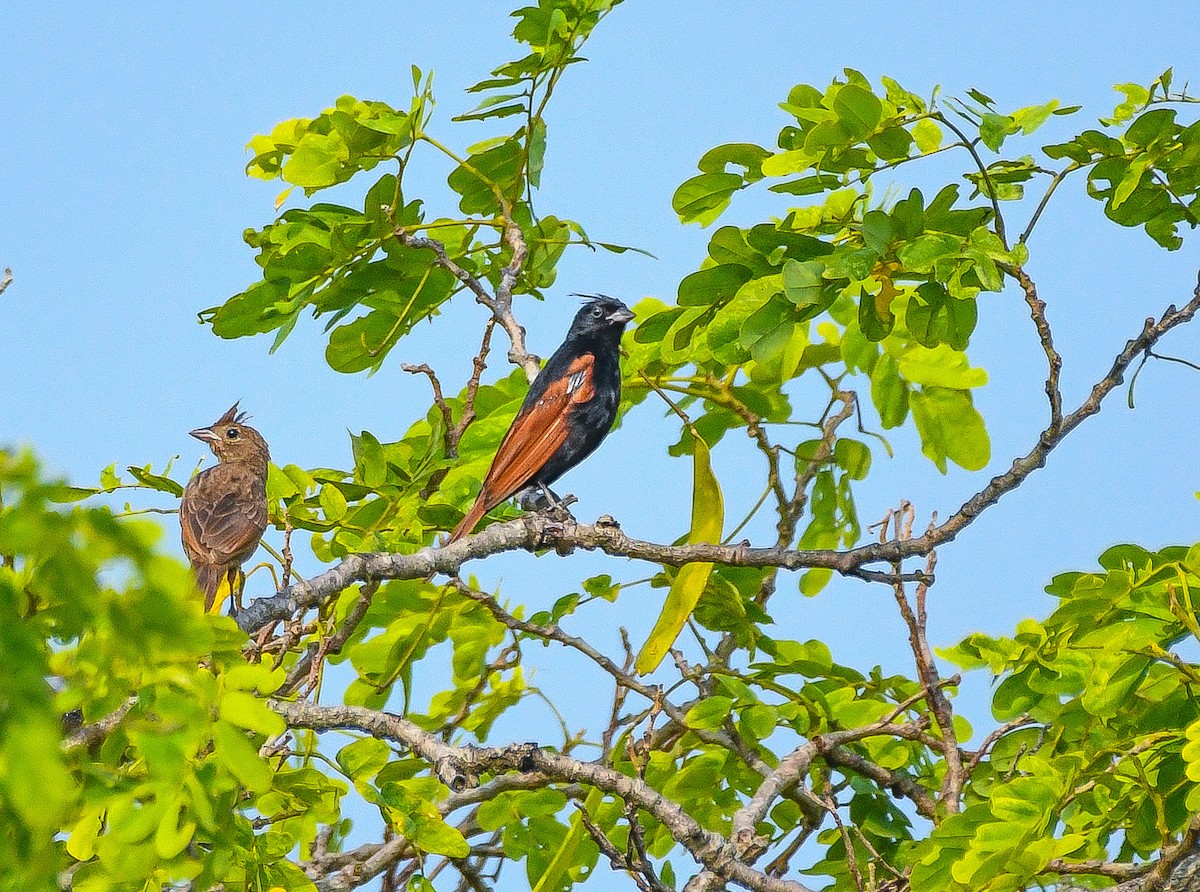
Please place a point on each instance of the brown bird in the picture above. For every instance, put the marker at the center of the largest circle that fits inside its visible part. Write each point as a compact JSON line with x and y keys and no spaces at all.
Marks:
{"x":569,"y":410}
{"x":224,"y":509}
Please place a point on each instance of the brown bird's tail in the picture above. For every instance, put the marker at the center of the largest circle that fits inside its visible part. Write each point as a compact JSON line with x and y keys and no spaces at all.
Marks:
{"x":218,"y":583}
{"x":480,"y":508}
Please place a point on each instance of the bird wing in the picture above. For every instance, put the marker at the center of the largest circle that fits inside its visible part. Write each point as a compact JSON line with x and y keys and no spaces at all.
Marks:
{"x":537,"y":432}
{"x":223,"y":515}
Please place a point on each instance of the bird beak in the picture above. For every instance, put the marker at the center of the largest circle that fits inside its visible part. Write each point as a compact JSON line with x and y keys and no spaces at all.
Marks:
{"x":622,"y":315}
{"x":205,"y":434}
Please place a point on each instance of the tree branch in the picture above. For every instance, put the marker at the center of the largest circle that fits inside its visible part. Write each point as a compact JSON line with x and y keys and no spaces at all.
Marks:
{"x":438,"y":399}
{"x":536,"y":532}
{"x":97,"y":731}
{"x":459,"y":767}
{"x":501,"y":303}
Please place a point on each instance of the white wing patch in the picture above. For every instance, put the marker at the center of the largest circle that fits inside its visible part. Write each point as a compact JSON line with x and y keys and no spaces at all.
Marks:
{"x":576,"y":381}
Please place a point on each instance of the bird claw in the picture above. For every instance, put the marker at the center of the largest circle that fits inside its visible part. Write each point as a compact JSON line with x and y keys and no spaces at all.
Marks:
{"x":543,"y":499}
{"x":561,"y":510}
{"x":531,"y":499}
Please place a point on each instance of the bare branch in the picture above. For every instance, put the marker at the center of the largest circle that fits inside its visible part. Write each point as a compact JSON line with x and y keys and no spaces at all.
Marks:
{"x":307,"y":668}
{"x":638,"y":868}
{"x":624,"y":679}
{"x":459,"y":767}
{"x":438,"y":399}
{"x":536,"y":532}
{"x":983,"y":173}
{"x":990,"y":741}
{"x":927,"y":672}
{"x":1037,"y":311}
{"x":6,"y":280}
{"x":502,"y":307}
{"x":479,"y":363}
{"x":900,"y":784}
{"x":443,"y":260}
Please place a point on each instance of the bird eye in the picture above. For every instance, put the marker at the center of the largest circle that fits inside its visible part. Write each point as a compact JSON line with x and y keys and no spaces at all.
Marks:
{"x":597,"y":312}
{"x":231,"y":434}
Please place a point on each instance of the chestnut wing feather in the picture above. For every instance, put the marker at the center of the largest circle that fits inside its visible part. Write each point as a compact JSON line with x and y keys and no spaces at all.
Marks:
{"x":538,"y":432}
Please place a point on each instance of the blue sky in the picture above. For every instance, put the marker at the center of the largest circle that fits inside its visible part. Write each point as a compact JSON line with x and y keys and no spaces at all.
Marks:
{"x":123,"y":202}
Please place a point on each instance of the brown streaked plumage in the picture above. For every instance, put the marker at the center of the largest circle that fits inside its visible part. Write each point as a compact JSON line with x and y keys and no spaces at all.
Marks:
{"x":569,"y":409}
{"x":224,"y":509}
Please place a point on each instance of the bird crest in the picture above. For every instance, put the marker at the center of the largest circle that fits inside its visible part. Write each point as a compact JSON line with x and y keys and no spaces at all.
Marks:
{"x":233,"y":416}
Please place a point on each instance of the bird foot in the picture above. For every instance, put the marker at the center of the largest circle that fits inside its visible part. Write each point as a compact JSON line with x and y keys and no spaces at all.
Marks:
{"x":542,"y":498}
{"x":560,"y":510}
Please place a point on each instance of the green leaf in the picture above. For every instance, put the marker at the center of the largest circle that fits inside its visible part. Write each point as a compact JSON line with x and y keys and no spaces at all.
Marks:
{"x":982,"y":98}
{"x":555,"y":874}
{"x":81,"y":844}
{"x":495,"y":168}
{"x":927,"y":135}
{"x":858,"y":109}
{"x":875,"y":317}
{"x":333,"y":502}
{"x":891,"y":144}
{"x":889,"y":392}
{"x":744,"y":155}
{"x":173,"y":833}
{"x":1032,"y":117}
{"x":803,"y":283}
{"x":240,"y":758}
{"x":537,"y":152}
{"x":155,"y":481}
{"x":708,"y":519}
{"x":813,"y":581}
{"x":435,"y":836}
{"x":33,"y":778}
{"x":1136,"y":97}
{"x":368,"y":456}
{"x":853,"y":457}
{"x":950,"y":428}
{"x":716,"y":284}
{"x":702,"y":198}
{"x":362,"y":759}
{"x":940,"y":366}
{"x":920,"y":254}
{"x":993,"y":129}
{"x":709,"y":713}
{"x":247,"y":711}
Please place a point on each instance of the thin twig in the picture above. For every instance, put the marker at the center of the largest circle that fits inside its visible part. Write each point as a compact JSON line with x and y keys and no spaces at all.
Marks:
{"x":1037,"y":311}
{"x":438,"y":399}
{"x":927,"y":672}
{"x":991,"y":188}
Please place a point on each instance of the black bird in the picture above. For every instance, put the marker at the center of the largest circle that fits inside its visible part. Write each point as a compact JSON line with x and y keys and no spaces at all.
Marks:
{"x":570,"y":408}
